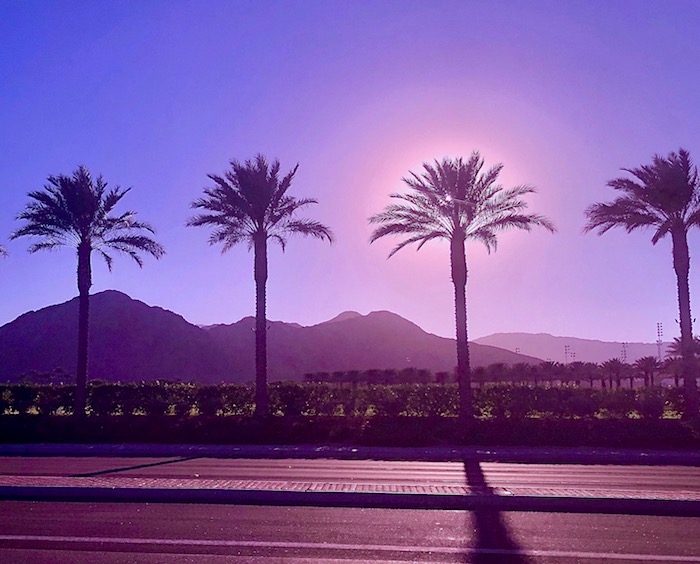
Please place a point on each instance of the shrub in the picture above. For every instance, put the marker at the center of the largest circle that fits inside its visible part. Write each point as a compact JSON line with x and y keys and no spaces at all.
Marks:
{"x":53,"y":400}
{"x":288,"y":398}
{"x":433,"y":400}
{"x":181,"y":398}
{"x":582,"y":403}
{"x":209,"y":400}
{"x":651,"y":403}
{"x":5,"y":399}
{"x":237,"y":399}
{"x":24,"y":397}
{"x":104,"y":399}
{"x":619,"y":403}
{"x":130,"y":398}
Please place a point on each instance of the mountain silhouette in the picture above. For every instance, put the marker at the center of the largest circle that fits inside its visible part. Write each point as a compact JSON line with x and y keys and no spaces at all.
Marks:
{"x":350,"y":341}
{"x":129,"y":341}
{"x":132,"y":341}
{"x":550,"y":347}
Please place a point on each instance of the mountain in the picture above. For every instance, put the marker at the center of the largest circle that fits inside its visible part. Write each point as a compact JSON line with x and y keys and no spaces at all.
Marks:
{"x":129,"y":341}
{"x":550,"y":347}
{"x":349,"y":341}
{"x":132,"y":341}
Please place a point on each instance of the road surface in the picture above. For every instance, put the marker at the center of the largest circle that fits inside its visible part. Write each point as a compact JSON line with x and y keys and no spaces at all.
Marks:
{"x":125,"y":532}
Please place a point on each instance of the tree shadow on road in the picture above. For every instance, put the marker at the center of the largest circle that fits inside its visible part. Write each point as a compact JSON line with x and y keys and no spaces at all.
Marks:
{"x":494,"y":543}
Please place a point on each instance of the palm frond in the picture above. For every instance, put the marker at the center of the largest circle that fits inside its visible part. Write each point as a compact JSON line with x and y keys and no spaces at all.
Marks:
{"x":663,"y":195}
{"x":250,"y":199}
{"x":454,"y":197}
{"x":76,"y":210}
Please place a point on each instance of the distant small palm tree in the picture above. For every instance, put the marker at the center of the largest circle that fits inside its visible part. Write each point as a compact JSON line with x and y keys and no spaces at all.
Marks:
{"x":76,"y":211}
{"x":456,"y":200}
{"x":663,"y":196}
{"x":550,"y":371}
{"x":673,"y":366}
{"x":647,"y":366}
{"x":249,"y":204}
{"x":615,"y":369}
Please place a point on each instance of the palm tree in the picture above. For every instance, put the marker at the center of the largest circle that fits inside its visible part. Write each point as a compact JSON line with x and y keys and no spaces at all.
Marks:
{"x":76,"y":211}
{"x":614,"y":369}
{"x":664,"y":196}
{"x":647,"y":366}
{"x":456,"y":200}
{"x":676,"y":347}
{"x":249,"y":203}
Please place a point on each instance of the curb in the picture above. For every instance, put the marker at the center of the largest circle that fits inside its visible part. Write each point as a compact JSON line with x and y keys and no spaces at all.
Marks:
{"x":660,"y":507}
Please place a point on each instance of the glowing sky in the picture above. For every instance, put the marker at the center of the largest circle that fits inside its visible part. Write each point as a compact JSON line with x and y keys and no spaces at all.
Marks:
{"x":155,"y":95}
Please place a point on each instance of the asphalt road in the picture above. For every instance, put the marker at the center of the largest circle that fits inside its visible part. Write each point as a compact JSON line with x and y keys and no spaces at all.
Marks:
{"x":98,"y":533}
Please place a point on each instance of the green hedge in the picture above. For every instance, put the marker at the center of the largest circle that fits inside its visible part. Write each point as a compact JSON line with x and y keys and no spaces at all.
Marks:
{"x":320,"y":399}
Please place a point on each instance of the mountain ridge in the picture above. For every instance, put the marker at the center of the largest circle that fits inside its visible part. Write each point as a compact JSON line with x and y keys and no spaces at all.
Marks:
{"x":132,"y":341}
{"x":551,"y":347}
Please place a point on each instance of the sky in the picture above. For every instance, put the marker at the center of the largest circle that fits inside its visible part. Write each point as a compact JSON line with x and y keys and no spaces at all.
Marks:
{"x":156,"y":95}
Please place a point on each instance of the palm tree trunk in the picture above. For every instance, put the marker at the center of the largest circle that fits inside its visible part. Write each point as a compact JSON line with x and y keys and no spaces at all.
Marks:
{"x":260,"y":273}
{"x":458,"y":262}
{"x":84,"y":283}
{"x":681,"y":264}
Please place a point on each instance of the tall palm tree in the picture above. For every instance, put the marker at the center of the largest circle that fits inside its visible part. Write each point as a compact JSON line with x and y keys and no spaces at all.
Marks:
{"x":77,"y":211}
{"x":456,"y":200}
{"x":663,"y":196}
{"x":249,"y":204}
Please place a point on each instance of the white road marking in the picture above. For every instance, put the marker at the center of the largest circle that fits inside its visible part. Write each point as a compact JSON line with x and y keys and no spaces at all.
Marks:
{"x":338,"y":546}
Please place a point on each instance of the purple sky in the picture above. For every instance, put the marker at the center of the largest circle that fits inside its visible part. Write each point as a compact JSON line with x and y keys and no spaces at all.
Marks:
{"x":155,"y":95}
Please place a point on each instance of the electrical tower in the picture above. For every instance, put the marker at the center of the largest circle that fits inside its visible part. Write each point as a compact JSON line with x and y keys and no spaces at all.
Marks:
{"x":567,"y":351}
{"x":624,"y":353}
{"x":659,"y":339}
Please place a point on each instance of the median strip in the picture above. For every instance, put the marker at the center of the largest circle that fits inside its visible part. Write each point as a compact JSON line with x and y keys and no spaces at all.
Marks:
{"x":343,"y":494}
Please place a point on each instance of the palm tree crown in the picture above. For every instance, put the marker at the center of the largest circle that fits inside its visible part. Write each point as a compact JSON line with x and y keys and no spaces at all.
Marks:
{"x":251,"y":201}
{"x":77,"y":211}
{"x":664,"y":196}
{"x":455,"y":198}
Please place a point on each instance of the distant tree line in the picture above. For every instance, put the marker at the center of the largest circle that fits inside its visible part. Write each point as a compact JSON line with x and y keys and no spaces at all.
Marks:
{"x":647,"y":371}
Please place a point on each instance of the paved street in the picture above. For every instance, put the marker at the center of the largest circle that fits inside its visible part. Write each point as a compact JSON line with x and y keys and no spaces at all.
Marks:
{"x":207,"y":509}
{"x":100,"y":533}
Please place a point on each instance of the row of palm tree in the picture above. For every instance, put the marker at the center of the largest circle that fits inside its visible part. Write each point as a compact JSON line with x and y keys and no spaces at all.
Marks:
{"x":456,"y":200}
{"x":611,"y":373}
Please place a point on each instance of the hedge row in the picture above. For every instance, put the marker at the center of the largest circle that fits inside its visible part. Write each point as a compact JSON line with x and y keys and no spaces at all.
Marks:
{"x":317,"y":399}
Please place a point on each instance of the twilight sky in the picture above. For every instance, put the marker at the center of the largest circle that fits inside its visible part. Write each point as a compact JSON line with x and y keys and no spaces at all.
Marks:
{"x":155,"y":95}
